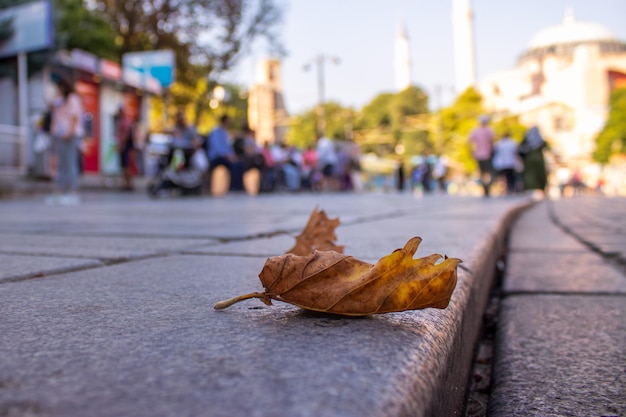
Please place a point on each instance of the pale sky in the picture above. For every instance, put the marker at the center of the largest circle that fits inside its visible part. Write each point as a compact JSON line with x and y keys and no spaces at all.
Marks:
{"x":362,"y":34}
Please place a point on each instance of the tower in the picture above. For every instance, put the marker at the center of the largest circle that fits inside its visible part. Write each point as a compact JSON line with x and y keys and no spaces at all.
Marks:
{"x":266,"y":109}
{"x":403,"y":60}
{"x":464,"y":58}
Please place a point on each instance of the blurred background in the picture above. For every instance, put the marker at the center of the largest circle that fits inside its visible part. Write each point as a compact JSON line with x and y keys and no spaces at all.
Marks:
{"x":402,"y":83}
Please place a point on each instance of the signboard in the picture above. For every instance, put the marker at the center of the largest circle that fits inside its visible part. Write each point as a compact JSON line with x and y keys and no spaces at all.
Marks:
{"x":158,"y":64}
{"x":84,"y":60}
{"x":110,"y":70}
{"x":32,"y":28}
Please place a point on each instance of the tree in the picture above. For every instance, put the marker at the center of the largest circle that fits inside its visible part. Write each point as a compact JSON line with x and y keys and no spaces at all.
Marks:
{"x":78,"y":27}
{"x":339,"y":120}
{"x":456,"y":122}
{"x":208,"y":36}
{"x":411,"y":101}
{"x":612,"y":138}
{"x":392,"y":119}
{"x":377,"y":113}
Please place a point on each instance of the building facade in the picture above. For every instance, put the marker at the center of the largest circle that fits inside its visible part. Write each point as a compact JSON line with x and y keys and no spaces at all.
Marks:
{"x":562,"y":84}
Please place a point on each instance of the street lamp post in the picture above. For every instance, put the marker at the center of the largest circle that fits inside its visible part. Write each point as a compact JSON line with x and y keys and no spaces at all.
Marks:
{"x":321,"y":112}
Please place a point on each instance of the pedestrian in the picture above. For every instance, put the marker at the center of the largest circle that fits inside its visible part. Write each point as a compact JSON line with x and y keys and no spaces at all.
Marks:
{"x":67,"y":130}
{"x":124,"y":134}
{"x":327,"y":162}
{"x":268,"y":173}
{"x":49,"y":146}
{"x":400,"y":175}
{"x":440,"y":170}
{"x":184,"y":135}
{"x":249,"y":159}
{"x":222,"y":155}
{"x":505,"y":161}
{"x":309,"y":168}
{"x":534,"y":176}
{"x":482,"y":139}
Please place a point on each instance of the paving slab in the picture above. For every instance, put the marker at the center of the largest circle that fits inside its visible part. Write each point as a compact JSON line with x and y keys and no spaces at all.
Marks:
{"x":560,"y":356}
{"x":259,"y":247}
{"x":17,"y":267}
{"x":562,"y":272}
{"x":104,"y":248}
{"x":157,"y":348}
{"x":141,"y":338}
{"x":236,"y":217}
{"x":561,"y":332}
{"x":534,"y":232}
{"x":453,"y":238}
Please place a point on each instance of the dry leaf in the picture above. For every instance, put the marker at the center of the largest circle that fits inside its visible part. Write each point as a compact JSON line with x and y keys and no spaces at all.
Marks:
{"x":318,"y":234}
{"x":331,"y":282}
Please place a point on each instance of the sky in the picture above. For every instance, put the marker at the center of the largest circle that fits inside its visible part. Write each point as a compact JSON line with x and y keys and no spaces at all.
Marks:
{"x":362,"y":34}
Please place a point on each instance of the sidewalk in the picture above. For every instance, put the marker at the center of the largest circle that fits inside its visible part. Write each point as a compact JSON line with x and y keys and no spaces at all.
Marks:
{"x":107,"y":307}
{"x":561,"y":344}
{"x":19,"y":186}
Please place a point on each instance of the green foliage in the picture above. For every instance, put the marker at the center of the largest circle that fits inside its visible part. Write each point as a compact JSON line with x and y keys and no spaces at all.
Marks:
{"x":78,"y":27}
{"x":377,"y":113}
{"x":456,"y":123}
{"x":208,"y":37}
{"x":303,"y":130}
{"x":338,"y":125}
{"x":510,"y":125}
{"x":204,"y":118}
{"x":392,"y":119}
{"x":408,"y":102}
{"x":612,"y":138}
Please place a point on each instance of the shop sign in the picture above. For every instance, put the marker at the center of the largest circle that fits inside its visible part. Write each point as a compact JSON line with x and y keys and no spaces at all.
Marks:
{"x":158,"y":64}
{"x":32,"y":28}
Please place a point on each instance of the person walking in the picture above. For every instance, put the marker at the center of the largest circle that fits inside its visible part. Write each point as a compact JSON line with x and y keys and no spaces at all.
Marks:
{"x":535,"y":176}
{"x":67,"y":130}
{"x":249,"y":160}
{"x":222,"y":156}
{"x":505,"y":160}
{"x":327,"y":161}
{"x":125,"y":147}
{"x":482,"y":139}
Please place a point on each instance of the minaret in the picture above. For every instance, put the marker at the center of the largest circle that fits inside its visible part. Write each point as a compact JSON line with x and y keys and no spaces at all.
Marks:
{"x":403,"y":60}
{"x":464,"y":58}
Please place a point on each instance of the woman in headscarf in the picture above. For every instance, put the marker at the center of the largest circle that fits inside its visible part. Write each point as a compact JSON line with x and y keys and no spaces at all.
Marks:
{"x":535,"y":176}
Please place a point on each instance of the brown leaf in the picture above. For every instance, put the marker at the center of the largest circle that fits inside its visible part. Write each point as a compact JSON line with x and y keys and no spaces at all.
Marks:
{"x":318,"y":234}
{"x":331,"y":282}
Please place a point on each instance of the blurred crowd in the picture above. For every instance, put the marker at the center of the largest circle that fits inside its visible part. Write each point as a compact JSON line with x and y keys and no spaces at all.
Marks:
{"x":238,"y":162}
{"x":231,"y":159}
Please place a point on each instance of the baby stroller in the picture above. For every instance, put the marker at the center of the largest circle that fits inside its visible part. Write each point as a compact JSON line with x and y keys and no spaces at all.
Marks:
{"x":180,"y":170}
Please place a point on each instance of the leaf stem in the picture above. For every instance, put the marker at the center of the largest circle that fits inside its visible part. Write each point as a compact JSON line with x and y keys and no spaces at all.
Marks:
{"x":227,"y":303}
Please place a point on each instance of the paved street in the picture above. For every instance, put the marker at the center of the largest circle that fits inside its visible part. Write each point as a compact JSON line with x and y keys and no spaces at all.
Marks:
{"x":561,"y":344}
{"x":106,"y":308}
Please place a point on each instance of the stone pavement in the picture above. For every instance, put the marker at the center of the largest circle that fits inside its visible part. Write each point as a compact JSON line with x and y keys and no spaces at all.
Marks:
{"x":106,"y":308}
{"x":561,"y":342}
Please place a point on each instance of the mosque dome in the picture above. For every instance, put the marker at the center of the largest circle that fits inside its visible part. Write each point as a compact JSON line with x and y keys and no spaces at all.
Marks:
{"x":570,"y":31}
